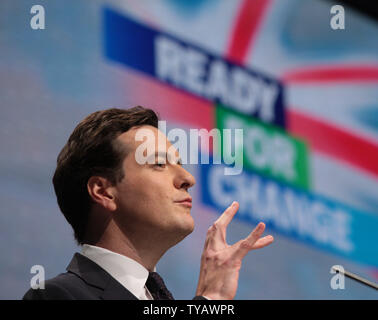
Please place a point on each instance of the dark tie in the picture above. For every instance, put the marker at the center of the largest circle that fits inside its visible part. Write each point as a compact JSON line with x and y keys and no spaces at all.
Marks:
{"x":157,"y":288}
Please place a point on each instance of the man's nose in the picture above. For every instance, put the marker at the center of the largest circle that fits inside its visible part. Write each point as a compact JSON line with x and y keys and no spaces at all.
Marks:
{"x":184,"y":179}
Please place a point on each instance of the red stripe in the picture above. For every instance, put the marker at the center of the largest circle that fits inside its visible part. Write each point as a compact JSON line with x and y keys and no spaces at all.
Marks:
{"x":331,"y":140}
{"x":321,"y":136}
{"x":331,"y":74}
{"x":246,"y":27}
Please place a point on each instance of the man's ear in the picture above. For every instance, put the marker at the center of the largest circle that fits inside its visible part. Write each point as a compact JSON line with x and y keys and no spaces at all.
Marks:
{"x":102,"y":192}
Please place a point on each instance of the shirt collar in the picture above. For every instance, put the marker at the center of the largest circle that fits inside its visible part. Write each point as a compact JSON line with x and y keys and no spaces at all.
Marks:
{"x":131,"y":274}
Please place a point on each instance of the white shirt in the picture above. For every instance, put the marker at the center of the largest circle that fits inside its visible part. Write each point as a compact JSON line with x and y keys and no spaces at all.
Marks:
{"x":129,"y":273}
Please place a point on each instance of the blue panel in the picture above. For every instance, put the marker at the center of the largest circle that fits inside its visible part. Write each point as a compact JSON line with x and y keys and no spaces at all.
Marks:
{"x":303,"y":216}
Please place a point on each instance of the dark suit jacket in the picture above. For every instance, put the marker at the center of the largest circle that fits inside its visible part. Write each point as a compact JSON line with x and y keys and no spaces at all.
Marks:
{"x":84,"y":280}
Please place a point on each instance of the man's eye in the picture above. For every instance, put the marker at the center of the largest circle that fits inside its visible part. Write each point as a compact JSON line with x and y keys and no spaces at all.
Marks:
{"x":160,"y":165}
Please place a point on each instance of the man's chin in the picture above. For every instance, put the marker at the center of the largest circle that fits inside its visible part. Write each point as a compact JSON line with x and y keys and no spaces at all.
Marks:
{"x":185,"y":228}
{"x":188,"y":225}
{"x":190,"y":230}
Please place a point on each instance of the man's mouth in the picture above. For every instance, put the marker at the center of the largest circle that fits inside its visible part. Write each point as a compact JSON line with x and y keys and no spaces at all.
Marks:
{"x":187,"y":202}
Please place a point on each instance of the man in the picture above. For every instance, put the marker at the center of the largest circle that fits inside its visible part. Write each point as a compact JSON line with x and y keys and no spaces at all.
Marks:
{"x":126,"y":214}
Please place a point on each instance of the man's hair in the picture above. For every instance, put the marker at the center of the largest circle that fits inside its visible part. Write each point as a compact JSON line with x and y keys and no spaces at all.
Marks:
{"x":92,"y":149}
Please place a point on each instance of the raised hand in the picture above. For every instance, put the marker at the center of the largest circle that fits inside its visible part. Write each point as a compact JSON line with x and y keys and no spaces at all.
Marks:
{"x":220,"y":262}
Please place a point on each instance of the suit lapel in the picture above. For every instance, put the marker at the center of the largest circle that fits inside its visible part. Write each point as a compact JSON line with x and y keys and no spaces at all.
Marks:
{"x":95,"y":276}
{"x":115,"y":291}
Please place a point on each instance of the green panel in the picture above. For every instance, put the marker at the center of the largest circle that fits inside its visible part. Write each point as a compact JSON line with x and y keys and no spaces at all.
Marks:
{"x":266,"y":149}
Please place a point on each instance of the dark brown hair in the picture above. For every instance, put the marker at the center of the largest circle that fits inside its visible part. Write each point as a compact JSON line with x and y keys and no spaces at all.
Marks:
{"x":92,"y":149}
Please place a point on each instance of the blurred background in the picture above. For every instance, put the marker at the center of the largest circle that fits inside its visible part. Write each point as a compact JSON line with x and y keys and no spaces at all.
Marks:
{"x":305,"y":94}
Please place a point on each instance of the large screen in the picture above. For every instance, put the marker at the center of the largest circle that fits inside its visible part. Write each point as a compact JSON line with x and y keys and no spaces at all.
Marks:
{"x":299,"y":78}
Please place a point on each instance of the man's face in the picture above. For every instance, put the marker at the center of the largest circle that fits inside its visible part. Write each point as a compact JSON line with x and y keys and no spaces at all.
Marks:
{"x":148,"y":197}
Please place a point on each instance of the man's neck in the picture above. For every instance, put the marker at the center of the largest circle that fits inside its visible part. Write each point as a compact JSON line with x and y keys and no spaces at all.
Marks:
{"x":131,"y":246}
{"x":129,"y":252}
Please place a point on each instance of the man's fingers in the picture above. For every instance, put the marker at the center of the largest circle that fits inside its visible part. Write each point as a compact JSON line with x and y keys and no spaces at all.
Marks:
{"x":216,"y":235}
{"x":255,"y":234}
{"x":252,"y":241}
{"x":227,"y":215}
{"x":263,"y":242}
